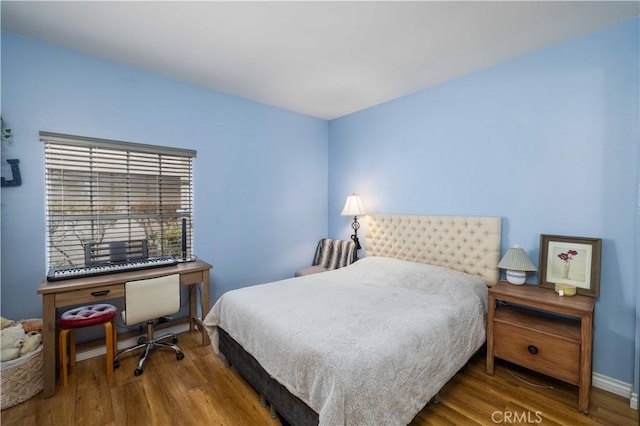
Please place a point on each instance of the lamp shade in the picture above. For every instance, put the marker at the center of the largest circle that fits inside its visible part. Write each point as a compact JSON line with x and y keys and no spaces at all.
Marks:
{"x":353,"y":206}
{"x":516,"y":262}
{"x":516,"y":259}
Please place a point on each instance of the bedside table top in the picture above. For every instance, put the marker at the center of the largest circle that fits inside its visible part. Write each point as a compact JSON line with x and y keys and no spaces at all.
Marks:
{"x":543,"y":298}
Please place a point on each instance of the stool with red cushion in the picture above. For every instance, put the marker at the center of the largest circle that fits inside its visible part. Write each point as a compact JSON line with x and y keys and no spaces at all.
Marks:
{"x":86,"y":316}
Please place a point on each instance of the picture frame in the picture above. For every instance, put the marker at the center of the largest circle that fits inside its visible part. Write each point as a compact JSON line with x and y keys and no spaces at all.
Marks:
{"x":570,"y":260}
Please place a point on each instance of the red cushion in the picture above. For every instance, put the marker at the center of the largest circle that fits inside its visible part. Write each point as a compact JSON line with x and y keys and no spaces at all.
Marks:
{"x":84,"y":316}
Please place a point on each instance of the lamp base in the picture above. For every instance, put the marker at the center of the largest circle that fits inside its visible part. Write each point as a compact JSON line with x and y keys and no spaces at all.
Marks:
{"x":516,"y":277}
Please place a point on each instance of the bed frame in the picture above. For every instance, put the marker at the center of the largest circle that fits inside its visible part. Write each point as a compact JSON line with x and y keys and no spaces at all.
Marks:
{"x":462,"y":243}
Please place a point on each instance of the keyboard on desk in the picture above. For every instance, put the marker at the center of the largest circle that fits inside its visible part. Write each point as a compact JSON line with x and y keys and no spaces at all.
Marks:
{"x":68,"y":272}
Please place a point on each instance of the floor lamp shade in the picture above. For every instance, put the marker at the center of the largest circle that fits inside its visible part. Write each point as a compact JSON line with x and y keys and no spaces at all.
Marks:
{"x":353,"y":206}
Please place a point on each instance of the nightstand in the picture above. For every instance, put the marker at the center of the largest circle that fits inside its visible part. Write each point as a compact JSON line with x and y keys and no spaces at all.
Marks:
{"x":536,"y":328}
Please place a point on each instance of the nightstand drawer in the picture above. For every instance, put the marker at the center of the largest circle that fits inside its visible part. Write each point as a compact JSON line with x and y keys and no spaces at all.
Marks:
{"x":546,"y":353}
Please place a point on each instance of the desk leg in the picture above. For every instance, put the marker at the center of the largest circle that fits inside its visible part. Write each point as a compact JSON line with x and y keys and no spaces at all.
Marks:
{"x":193,"y":306}
{"x":49,"y":345}
{"x":204,"y":306}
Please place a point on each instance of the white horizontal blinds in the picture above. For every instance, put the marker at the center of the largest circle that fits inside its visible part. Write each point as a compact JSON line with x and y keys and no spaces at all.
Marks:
{"x":100,"y":191}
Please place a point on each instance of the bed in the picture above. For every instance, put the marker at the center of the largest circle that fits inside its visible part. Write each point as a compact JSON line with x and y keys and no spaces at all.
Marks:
{"x":373,"y":342}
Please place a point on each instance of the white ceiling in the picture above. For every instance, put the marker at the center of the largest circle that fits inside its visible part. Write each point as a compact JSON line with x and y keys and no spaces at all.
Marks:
{"x":325,"y":59}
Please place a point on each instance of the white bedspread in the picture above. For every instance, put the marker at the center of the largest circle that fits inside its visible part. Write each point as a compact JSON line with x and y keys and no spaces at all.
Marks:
{"x":368,"y":344}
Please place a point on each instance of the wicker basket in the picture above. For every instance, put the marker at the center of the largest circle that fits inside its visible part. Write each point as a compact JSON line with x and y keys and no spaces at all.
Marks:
{"x":21,"y":378}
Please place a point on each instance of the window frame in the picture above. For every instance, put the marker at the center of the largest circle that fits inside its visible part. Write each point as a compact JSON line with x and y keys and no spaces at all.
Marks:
{"x":122,"y":176}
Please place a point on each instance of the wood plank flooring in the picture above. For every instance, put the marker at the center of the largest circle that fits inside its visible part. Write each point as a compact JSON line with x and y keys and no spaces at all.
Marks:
{"x":200,"y":390}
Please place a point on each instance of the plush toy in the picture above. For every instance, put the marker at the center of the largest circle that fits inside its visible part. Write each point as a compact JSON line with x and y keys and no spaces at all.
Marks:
{"x":33,"y":324}
{"x":4,"y":323}
{"x":11,"y":342}
{"x":34,"y":338}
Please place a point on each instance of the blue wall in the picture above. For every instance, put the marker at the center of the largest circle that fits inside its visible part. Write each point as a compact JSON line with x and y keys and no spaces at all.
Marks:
{"x":260,"y":173}
{"x":548,"y":141}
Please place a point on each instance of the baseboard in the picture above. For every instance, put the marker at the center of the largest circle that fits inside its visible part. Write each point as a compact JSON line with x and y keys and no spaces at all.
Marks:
{"x":616,"y":387}
{"x":101,"y":350}
{"x":598,"y":380}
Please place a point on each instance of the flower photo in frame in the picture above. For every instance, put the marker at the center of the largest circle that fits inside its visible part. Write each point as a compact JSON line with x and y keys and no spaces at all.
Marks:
{"x":570,"y":260}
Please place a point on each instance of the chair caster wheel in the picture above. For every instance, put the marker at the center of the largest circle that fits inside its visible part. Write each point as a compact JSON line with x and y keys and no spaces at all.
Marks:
{"x":141,"y":340}
{"x":174,"y":340}
{"x":179,"y":356}
{"x":116,"y":364}
{"x":137,"y":372}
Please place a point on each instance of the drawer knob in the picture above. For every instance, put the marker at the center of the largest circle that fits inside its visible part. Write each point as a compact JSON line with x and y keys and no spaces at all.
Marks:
{"x":532,"y":349}
{"x":100,"y":293}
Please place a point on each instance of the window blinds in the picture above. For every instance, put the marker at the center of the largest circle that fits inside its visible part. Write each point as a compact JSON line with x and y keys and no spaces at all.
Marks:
{"x":101,"y":191}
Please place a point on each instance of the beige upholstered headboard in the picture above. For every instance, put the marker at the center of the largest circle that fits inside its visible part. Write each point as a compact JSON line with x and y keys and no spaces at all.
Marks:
{"x":467,"y":244}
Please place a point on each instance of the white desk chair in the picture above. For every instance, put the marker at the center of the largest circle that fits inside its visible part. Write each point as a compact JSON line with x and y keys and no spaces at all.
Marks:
{"x":145,"y":301}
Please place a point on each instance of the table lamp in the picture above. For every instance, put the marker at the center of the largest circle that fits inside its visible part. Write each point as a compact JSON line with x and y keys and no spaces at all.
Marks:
{"x":517,"y":263}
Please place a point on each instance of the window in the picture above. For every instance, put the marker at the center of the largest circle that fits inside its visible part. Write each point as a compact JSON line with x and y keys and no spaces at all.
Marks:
{"x":100,"y":191}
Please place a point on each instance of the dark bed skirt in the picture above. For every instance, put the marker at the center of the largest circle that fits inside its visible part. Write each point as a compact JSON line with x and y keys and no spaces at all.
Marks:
{"x":291,"y":409}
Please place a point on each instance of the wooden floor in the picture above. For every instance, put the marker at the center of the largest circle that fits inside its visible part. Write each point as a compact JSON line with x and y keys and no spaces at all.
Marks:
{"x":199,"y":390}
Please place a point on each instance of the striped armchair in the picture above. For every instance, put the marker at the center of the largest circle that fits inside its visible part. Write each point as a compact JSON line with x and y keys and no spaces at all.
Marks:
{"x":330,"y":255}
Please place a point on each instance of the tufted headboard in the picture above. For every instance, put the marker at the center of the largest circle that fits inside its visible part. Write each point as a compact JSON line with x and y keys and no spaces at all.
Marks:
{"x":467,"y":244}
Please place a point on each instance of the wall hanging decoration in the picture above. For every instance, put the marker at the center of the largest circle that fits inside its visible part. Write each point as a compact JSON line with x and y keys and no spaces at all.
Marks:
{"x":16,"y":179}
{"x":6,"y":133}
{"x":15,"y":174}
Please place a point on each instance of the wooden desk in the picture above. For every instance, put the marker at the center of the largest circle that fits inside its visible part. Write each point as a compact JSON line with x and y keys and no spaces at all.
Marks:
{"x":95,"y":289}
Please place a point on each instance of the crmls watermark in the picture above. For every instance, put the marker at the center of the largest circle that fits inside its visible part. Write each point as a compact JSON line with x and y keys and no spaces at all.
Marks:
{"x":517,"y":417}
